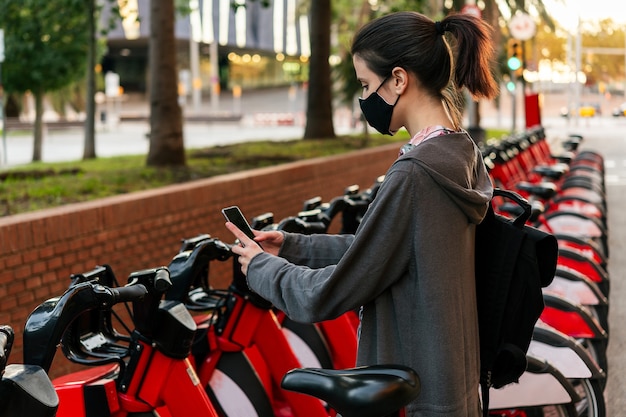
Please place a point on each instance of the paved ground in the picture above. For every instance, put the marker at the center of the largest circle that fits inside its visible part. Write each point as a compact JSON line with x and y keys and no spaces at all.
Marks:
{"x":609,"y":138}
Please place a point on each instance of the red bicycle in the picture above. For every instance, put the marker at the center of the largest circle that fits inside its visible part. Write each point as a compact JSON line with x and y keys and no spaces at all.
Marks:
{"x":146,"y":373}
{"x":240,"y":350}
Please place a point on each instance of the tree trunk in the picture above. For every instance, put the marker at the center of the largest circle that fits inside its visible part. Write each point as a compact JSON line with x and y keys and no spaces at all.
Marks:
{"x":38,"y":128}
{"x":319,"y":113}
{"x":89,"y":150}
{"x":166,"y":124}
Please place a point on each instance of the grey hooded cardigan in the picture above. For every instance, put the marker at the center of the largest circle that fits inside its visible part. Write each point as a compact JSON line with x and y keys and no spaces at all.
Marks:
{"x":410,"y":266}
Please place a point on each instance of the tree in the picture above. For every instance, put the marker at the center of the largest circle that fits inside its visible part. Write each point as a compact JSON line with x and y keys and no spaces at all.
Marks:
{"x":89,"y":146}
{"x":166,"y":122}
{"x":45,"y":50}
{"x":319,"y":112}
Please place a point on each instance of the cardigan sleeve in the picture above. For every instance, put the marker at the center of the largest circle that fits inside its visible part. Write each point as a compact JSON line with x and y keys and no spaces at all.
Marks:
{"x":378,"y":255}
{"x":314,"y":251}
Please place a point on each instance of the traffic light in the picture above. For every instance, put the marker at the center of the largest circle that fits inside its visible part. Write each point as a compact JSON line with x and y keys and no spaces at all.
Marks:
{"x":514,"y":56}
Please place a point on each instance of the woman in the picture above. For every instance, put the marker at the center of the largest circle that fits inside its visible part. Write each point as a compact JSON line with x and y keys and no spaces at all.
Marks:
{"x":410,"y":265}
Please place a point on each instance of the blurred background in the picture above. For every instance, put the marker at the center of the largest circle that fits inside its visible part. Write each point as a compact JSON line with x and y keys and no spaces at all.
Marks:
{"x":103,"y":62}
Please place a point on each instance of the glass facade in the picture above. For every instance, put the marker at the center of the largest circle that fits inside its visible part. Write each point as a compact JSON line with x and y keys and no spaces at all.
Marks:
{"x":252,"y":45}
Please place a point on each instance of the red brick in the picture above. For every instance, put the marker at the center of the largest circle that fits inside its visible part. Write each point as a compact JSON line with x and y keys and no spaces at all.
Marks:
{"x":15,"y":287}
{"x":13,"y":261}
{"x":26,"y":297}
{"x":33,"y":282}
{"x":143,"y":230}
{"x":55,"y":262}
{"x":46,"y":252}
{"x":23,"y":272}
{"x":39,"y":267}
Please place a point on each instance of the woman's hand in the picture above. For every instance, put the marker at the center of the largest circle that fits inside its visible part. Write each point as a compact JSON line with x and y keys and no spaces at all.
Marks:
{"x":269,"y":242}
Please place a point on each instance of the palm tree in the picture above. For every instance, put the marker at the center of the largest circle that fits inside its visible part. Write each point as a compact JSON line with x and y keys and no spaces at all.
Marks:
{"x":319,"y":112}
{"x":166,"y":120}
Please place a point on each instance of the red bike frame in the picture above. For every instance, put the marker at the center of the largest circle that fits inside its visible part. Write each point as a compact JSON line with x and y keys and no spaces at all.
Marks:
{"x":151,"y":373}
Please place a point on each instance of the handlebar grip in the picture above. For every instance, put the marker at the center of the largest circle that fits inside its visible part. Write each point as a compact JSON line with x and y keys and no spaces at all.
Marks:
{"x":128,"y":293}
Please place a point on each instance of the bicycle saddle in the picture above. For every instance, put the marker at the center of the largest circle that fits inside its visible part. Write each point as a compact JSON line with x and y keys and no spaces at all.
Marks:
{"x":369,"y":391}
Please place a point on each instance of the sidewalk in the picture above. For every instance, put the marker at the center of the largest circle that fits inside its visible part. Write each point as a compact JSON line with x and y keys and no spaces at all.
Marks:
{"x":273,"y":114}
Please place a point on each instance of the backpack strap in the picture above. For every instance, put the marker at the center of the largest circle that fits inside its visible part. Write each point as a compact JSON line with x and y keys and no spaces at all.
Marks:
{"x":484,"y":388}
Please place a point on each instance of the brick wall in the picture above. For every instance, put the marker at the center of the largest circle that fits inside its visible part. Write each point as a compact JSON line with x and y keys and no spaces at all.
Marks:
{"x":40,"y":250}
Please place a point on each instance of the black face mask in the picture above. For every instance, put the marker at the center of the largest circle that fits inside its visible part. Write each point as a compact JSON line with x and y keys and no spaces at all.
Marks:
{"x":377,"y":111}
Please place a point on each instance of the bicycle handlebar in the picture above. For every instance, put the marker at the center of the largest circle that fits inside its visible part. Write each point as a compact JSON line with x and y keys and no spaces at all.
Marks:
{"x":126,"y":294}
{"x":315,"y":220}
{"x":46,"y":325}
{"x":189,"y":269}
{"x":154,"y":279}
{"x":102,"y":274}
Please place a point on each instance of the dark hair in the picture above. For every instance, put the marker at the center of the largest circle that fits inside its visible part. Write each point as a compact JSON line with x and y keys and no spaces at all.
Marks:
{"x":418,"y":44}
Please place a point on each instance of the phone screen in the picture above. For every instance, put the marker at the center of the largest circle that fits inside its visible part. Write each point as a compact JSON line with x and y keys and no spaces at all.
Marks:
{"x":234,"y":215}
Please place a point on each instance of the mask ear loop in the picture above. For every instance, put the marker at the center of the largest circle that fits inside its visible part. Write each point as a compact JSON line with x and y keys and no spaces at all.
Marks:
{"x":382,"y":83}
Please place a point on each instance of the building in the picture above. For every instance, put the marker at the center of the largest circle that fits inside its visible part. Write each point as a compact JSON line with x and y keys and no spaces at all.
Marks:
{"x":222,"y":45}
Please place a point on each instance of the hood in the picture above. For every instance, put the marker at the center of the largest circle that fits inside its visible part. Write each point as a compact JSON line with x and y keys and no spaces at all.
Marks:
{"x":456,"y":164}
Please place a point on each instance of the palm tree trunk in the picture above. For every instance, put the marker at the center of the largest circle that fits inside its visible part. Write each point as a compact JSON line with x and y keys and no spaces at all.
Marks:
{"x":38,"y":128}
{"x":166,"y":124}
{"x":89,"y":150}
{"x":319,"y":113}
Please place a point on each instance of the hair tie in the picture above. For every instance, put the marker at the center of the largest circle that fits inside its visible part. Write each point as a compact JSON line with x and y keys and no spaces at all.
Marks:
{"x":441,"y":28}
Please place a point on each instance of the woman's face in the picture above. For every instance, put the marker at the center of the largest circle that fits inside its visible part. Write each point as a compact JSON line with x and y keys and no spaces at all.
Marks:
{"x":370,"y":81}
{"x":383,"y":116}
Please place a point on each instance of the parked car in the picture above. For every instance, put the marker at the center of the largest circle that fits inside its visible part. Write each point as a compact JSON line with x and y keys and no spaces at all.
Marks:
{"x":584,"y":110}
{"x":620,"y":110}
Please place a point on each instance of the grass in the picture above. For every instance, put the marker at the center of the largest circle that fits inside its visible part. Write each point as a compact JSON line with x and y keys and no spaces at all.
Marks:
{"x":43,"y":185}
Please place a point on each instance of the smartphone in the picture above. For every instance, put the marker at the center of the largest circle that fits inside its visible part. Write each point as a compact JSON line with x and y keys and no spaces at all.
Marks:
{"x":234,"y":215}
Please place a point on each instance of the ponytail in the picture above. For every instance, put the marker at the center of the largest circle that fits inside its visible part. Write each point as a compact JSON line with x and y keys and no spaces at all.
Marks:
{"x":475,"y":52}
{"x":420,"y":45}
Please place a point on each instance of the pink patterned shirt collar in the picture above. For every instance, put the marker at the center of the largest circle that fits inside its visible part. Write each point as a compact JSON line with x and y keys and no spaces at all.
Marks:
{"x":423,"y":135}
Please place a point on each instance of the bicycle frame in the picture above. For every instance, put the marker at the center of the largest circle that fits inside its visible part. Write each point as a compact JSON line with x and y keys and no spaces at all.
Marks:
{"x":153,"y":374}
{"x":236,"y":324}
{"x":247,"y":327}
{"x":158,"y":383}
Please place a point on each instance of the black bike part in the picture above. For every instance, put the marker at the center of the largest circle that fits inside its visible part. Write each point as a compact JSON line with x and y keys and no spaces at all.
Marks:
{"x":96,"y":400}
{"x":240,"y":286}
{"x":190,"y":243}
{"x":46,"y":324}
{"x":174,"y":333}
{"x":189,"y":269}
{"x":370,"y":391}
{"x":26,"y":390}
{"x":6,"y":343}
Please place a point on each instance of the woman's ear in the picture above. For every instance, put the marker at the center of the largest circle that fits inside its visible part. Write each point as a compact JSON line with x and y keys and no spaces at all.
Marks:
{"x":401,"y":80}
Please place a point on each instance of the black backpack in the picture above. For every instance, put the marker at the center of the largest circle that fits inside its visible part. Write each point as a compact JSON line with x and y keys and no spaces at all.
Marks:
{"x":513,"y":262}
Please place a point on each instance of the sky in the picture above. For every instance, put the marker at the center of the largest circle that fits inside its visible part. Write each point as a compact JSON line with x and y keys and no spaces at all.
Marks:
{"x":568,"y":10}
